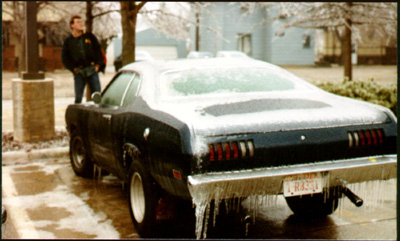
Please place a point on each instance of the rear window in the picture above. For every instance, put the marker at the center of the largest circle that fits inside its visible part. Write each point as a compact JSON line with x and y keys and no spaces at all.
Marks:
{"x":213,"y":81}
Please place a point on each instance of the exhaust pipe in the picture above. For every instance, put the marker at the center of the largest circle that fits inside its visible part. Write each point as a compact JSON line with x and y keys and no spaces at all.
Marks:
{"x":356,"y":200}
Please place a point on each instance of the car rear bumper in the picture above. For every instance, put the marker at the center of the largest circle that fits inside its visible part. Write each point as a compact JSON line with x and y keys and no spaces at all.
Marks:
{"x":263,"y":181}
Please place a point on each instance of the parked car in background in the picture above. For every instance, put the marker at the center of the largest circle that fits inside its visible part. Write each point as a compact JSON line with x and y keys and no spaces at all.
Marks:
{"x":140,"y":55}
{"x":203,"y":131}
{"x":199,"y":55}
{"x":231,"y":54}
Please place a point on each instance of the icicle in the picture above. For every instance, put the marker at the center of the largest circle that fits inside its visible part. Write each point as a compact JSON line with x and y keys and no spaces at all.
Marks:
{"x":200,"y":211}
{"x":216,"y":205}
{"x":207,"y":214}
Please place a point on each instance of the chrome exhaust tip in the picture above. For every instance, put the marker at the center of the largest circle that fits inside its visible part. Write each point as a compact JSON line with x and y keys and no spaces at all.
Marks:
{"x":356,"y":200}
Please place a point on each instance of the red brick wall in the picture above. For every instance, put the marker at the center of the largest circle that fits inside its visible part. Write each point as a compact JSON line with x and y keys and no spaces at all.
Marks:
{"x":10,"y":62}
{"x":52,"y":57}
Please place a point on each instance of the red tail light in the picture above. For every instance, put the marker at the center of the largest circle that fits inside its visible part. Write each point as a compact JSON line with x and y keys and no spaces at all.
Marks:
{"x":365,"y":137}
{"x":219,"y":151}
{"x":362,"y":137}
{"x":235,"y":150}
{"x":374,"y":137}
{"x":212,"y":152}
{"x":380,"y":136}
{"x":227,"y":151}
{"x":368,"y":137}
{"x":231,"y":150}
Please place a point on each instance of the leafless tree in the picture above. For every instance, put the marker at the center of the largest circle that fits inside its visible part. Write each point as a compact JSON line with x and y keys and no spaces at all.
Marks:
{"x":173,"y":19}
{"x":344,"y":18}
{"x":102,"y":18}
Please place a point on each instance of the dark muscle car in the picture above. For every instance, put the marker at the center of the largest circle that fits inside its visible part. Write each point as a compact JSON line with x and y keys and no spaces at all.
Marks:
{"x":206,"y":130}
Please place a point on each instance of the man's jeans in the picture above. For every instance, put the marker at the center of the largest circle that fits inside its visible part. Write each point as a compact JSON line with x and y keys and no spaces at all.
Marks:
{"x":80,"y":83}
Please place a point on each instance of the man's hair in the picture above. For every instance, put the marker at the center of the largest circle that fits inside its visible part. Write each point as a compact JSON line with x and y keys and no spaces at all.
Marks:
{"x":72,"y":20}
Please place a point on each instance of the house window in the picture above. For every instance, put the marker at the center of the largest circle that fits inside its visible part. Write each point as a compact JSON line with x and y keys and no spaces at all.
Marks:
{"x":306,"y":41}
{"x":6,"y":29}
{"x":244,"y":43}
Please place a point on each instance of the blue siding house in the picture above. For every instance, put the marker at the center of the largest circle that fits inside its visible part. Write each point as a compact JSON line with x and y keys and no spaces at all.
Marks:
{"x":262,"y":41}
{"x":156,"y":43}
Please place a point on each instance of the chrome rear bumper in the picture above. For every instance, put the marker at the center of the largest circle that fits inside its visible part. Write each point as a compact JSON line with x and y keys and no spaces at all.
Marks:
{"x":263,"y":181}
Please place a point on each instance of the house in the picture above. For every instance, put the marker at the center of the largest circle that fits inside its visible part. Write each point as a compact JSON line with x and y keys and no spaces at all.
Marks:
{"x":371,"y":48}
{"x":50,"y":37}
{"x":156,"y":43}
{"x":228,"y":27}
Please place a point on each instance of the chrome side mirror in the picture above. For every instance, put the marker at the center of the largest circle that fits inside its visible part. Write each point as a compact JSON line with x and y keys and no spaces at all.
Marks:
{"x":96,"y":97}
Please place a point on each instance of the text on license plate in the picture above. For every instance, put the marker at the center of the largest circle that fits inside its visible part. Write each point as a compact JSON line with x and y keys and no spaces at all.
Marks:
{"x":302,"y":184}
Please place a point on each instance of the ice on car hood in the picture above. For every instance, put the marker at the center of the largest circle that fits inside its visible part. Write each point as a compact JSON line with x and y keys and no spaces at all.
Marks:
{"x":275,"y":112}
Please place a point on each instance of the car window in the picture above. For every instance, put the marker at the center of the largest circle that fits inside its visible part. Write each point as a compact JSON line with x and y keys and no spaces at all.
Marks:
{"x":132,"y":91}
{"x":115,"y":92}
{"x":226,"y":80}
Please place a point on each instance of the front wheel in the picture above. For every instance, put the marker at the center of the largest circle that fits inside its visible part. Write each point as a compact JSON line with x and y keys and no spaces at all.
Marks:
{"x":80,"y":161}
{"x":142,"y":199}
{"x":316,"y":205}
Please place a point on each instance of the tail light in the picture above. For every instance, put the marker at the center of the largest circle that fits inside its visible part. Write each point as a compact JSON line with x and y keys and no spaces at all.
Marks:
{"x":212,"y":152}
{"x":231,"y":150}
{"x":235,"y":149}
{"x":219,"y":151}
{"x":365,"y":137}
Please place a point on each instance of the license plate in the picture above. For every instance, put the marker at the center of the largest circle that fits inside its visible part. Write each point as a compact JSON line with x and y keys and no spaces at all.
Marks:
{"x":302,"y":184}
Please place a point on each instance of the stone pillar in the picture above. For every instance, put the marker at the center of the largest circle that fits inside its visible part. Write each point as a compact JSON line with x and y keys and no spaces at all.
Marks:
{"x":33,"y":109}
{"x":33,"y":95}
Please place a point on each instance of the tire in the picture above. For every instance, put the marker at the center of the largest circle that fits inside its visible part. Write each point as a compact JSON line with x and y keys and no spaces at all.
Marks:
{"x":80,"y":161}
{"x":316,"y":205}
{"x":142,"y":200}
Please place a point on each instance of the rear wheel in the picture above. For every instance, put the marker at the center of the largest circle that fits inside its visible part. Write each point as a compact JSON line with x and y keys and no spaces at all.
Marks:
{"x":142,"y":199}
{"x":80,"y":161}
{"x":316,"y":205}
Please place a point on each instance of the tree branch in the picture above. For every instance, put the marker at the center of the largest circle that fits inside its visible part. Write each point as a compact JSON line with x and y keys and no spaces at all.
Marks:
{"x":104,"y":13}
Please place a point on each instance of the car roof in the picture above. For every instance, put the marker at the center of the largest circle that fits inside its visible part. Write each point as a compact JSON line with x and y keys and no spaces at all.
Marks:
{"x":182,"y":64}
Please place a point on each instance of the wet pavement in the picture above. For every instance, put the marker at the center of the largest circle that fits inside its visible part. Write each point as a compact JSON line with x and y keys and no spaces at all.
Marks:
{"x":46,"y":200}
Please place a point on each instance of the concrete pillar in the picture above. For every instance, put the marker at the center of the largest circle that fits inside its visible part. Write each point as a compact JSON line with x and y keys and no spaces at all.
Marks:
{"x":33,"y":95}
{"x":33,"y":109}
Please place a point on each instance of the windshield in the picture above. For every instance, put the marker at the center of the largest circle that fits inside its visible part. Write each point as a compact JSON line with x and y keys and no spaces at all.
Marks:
{"x":229,"y":80}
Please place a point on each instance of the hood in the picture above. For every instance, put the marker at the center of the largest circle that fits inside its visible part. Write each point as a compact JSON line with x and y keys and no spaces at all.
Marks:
{"x":272,"y":113}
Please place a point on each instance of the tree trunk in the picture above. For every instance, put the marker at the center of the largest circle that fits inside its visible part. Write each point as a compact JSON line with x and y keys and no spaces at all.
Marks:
{"x":89,"y":17}
{"x":347,"y":46}
{"x":129,"y":12}
{"x":89,"y":28}
{"x":128,"y":23}
{"x":197,"y":32}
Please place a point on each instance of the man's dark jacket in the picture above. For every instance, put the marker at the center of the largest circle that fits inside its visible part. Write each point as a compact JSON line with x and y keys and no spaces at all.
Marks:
{"x":81,"y":52}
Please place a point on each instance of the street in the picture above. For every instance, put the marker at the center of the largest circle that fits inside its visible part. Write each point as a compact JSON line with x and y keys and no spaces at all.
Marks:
{"x":46,"y":200}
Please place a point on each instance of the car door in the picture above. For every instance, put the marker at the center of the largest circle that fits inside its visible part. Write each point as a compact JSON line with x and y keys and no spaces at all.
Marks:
{"x":102,"y":121}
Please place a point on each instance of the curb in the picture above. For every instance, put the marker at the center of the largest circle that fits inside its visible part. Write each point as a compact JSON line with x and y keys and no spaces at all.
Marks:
{"x":23,"y":157}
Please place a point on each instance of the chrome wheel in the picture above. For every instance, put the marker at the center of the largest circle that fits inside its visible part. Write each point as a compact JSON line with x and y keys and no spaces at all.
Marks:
{"x":137,"y":197}
{"x":78,"y":152}
{"x":143,"y":199}
{"x":80,"y":160}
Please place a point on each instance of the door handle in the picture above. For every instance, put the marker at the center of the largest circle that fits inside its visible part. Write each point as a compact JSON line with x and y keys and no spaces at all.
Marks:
{"x":107,"y":116}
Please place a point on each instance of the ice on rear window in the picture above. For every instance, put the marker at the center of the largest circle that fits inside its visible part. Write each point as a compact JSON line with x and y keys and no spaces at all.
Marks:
{"x":225,"y":80}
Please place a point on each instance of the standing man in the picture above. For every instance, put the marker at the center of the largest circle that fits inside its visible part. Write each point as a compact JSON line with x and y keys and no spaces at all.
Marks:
{"x":81,"y":54}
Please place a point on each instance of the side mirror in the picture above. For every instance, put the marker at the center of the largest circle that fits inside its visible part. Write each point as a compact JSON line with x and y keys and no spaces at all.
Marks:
{"x":96,"y":97}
